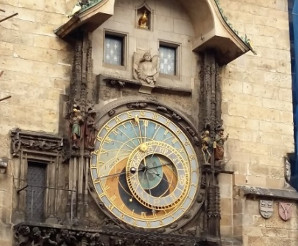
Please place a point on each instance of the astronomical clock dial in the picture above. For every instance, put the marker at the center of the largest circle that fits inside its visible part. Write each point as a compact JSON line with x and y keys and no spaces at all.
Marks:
{"x":144,"y":169}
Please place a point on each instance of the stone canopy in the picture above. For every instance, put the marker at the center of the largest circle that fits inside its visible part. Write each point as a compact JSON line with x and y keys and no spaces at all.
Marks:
{"x":212,"y":32}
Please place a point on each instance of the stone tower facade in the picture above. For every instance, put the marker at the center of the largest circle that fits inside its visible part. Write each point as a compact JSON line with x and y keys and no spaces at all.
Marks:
{"x":218,"y":70}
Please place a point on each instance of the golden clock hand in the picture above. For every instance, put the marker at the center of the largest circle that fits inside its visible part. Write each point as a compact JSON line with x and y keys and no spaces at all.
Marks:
{"x":110,"y":175}
{"x":137,"y":120}
{"x":132,"y":171}
{"x":145,"y":164}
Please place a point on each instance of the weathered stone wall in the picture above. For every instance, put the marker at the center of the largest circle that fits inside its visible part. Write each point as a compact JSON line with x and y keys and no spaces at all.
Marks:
{"x":36,"y":67}
{"x":273,"y":231}
{"x":257,"y":113}
{"x":257,"y":96}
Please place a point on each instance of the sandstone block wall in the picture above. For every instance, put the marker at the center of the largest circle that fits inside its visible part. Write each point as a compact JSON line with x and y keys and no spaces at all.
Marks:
{"x":257,"y":94}
{"x":257,"y":113}
{"x":273,"y":231}
{"x":36,"y":66}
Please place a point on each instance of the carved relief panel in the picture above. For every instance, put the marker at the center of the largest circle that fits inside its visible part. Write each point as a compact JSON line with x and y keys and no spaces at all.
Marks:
{"x":146,"y":68}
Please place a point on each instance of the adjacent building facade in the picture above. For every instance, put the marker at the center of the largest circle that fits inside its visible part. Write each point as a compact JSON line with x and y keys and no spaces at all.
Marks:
{"x":128,"y":122}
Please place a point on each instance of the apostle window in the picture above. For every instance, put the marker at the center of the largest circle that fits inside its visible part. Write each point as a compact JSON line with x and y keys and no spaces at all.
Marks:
{"x":168,"y":59}
{"x":114,"y":49}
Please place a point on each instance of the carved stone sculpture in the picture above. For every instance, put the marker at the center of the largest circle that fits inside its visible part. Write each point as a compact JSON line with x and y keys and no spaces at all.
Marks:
{"x":75,"y":123}
{"x":90,"y":129}
{"x":206,"y":141}
{"x":143,"y":20}
{"x":266,"y":208}
{"x":287,"y":171}
{"x":29,"y":235}
{"x":287,"y":174}
{"x":285,"y":210}
{"x":146,"y":68}
{"x":219,"y":144}
{"x":34,"y":141}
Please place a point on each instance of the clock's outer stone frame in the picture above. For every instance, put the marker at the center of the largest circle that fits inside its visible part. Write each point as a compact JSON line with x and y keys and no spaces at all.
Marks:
{"x":193,"y":216}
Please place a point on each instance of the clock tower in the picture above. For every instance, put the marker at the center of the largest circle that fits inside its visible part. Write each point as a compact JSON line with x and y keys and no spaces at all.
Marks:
{"x":145,"y":120}
{"x":143,"y":142}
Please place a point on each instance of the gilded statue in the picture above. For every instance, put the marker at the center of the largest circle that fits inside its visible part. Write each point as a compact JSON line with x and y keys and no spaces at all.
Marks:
{"x":143,"y":21}
{"x":146,"y":68}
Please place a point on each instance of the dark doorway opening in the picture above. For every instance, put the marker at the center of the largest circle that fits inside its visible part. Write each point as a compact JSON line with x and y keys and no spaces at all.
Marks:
{"x":35,"y":196}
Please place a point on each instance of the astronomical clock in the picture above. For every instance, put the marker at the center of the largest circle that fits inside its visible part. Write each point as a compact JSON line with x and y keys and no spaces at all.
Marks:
{"x":127,"y":169}
{"x":145,"y":168}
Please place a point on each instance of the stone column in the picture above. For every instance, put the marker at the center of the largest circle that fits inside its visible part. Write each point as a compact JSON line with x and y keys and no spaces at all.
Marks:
{"x":210,"y":119}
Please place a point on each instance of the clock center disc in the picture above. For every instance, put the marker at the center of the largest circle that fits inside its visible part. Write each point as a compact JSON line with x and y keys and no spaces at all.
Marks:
{"x":157,"y":175}
{"x":150,"y":174}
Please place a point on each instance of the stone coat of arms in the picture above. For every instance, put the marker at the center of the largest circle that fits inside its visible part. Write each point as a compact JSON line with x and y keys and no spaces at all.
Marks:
{"x":266,"y":208}
{"x":285,"y":210}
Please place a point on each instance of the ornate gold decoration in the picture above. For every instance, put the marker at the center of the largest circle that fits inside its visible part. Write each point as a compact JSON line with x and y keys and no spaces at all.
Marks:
{"x":143,"y":20}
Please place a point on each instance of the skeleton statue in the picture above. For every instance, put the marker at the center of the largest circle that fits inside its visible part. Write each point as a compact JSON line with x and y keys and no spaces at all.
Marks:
{"x":206,"y":141}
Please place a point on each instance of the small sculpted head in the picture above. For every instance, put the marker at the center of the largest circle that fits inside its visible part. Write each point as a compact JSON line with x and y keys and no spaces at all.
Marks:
{"x":147,"y":56}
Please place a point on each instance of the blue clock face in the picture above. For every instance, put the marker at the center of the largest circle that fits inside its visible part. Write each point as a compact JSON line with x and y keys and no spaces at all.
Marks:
{"x":144,"y":169}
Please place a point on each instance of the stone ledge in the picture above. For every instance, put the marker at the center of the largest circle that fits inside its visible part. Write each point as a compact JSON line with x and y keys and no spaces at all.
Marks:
{"x":289,"y":194}
{"x":121,"y":83}
{"x":38,"y":142}
{"x":108,"y":235}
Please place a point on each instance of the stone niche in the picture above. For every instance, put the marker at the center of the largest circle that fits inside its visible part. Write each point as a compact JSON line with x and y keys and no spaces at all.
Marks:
{"x":144,"y":17}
